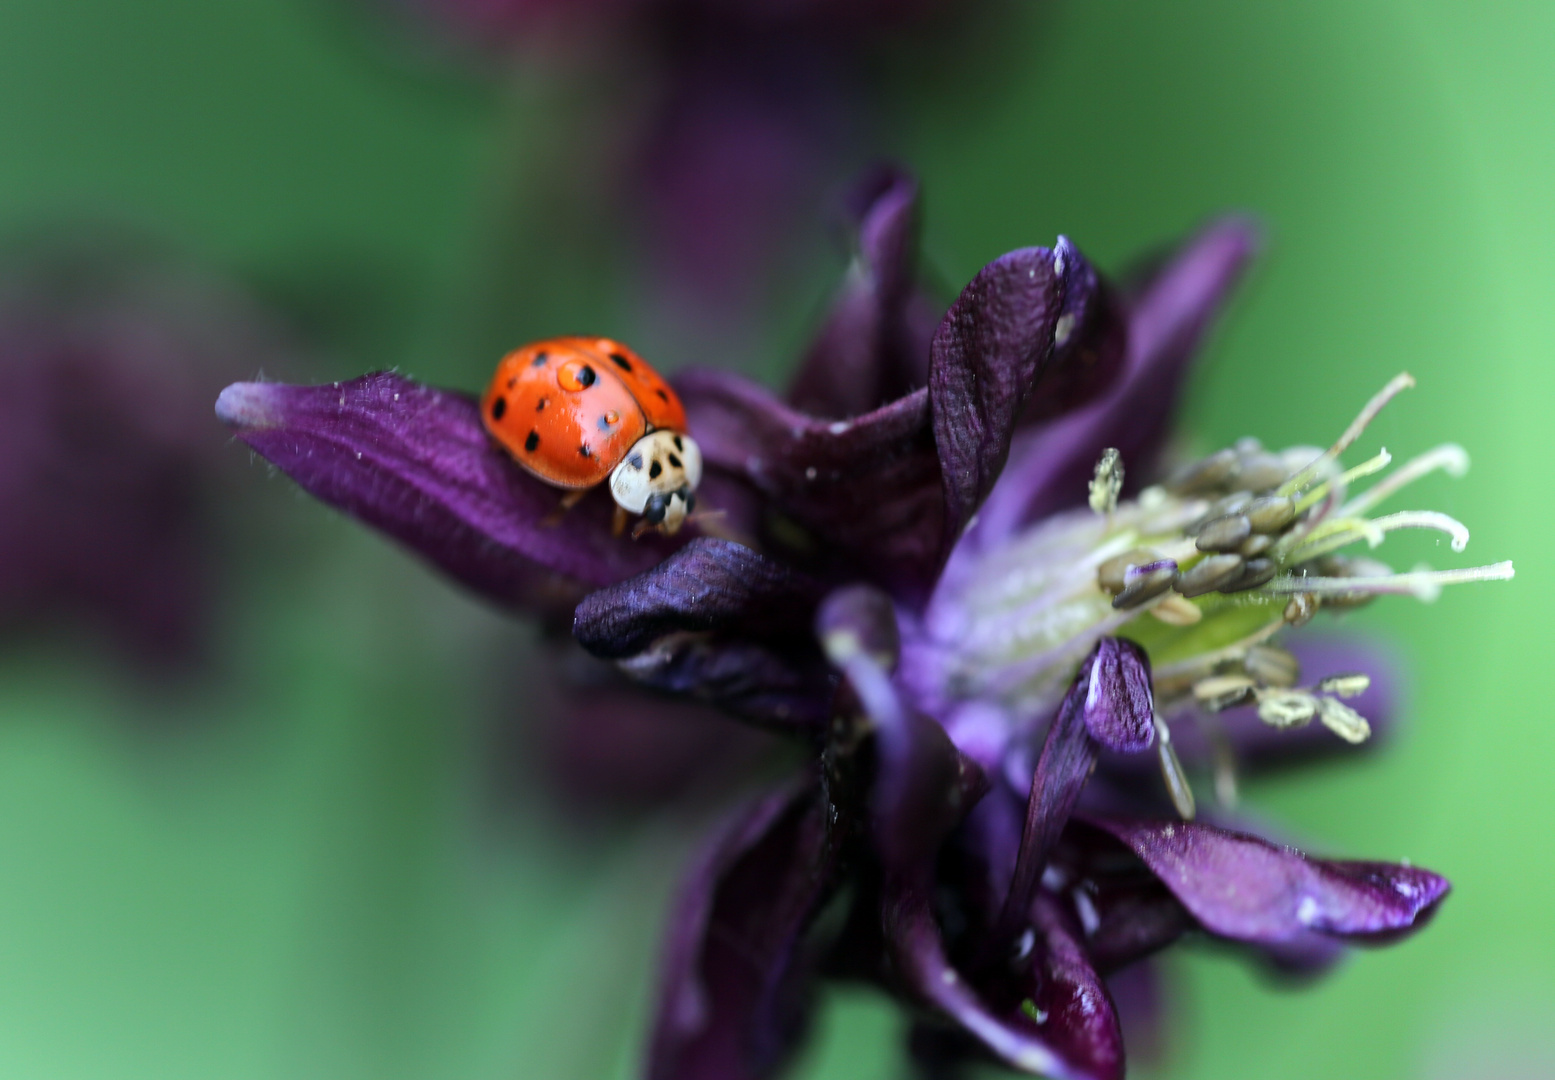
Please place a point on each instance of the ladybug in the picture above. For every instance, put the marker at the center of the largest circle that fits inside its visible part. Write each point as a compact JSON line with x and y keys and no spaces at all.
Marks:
{"x":575,"y":411}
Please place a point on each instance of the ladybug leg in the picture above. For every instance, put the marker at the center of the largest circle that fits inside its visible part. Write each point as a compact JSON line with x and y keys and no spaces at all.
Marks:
{"x":711,"y":523}
{"x":568,"y":501}
{"x":618,"y":523}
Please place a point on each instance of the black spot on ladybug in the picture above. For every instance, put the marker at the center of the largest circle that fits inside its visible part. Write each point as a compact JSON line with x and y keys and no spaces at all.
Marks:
{"x":586,"y":376}
{"x":532,"y":442}
{"x":539,"y":360}
{"x":585,"y":451}
{"x":498,"y":408}
{"x":675,"y":461}
{"x":635,"y":461}
{"x":541,"y":404}
{"x":678,"y":444}
{"x":662,"y":395}
{"x":655,"y":470}
{"x":604,"y":424}
{"x":620,"y":361}
{"x":513,"y":382}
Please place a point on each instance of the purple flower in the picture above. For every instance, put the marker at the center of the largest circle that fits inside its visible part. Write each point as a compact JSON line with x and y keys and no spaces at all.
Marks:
{"x":907,"y":579}
{"x":108,"y":354}
{"x":717,"y":124}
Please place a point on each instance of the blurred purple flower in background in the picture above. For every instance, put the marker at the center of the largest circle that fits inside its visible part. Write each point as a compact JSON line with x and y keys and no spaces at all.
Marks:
{"x":107,"y":486}
{"x":730,"y":120}
{"x":908,"y":582}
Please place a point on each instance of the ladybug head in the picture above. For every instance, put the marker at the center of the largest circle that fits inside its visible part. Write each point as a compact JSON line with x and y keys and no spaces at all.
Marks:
{"x":658,"y":479}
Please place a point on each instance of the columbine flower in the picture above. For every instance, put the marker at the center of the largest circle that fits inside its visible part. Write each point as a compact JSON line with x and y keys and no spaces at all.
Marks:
{"x":108,"y":355}
{"x":908,"y":579}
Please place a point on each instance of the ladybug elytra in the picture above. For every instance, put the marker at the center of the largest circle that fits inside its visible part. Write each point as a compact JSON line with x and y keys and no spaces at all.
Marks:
{"x":576,"y":411}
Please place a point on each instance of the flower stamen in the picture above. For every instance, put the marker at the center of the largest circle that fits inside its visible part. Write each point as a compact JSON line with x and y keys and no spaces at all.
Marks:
{"x":1107,"y":483}
{"x":1341,"y":482}
{"x":1379,"y":401}
{"x":1224,"y":555}
{"x":1449,"y":457}
{"x":1172,"y":772}
{"x":1422,"y":584}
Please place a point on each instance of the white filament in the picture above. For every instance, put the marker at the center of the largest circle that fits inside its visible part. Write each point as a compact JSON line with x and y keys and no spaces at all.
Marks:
{"x":1449,"y":457}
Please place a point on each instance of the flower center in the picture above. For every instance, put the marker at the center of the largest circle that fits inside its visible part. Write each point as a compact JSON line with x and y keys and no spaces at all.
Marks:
{"x":1204,"y":571}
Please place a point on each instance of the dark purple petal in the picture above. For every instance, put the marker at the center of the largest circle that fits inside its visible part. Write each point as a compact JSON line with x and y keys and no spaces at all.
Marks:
{"x":1089,"y":339}
{"x":1074,"y":1032}
{"x":980,"y":858}
{"x":705,"y":586}
{"x":1134,"y":923}
{"x":1068,"y":757}
{"x":1240,"y":887}
{"x":1119,"y":709}
{"x":922,"y":790}
{"x":1133,"y":912}
{"x":415,"y":462}
{"x":987,"y":355}
{"x":815,"y":474}
{"x":1167,"y":320}
{"x":923,"y":787}
{"x":622,"y":750}
{"x":874,"y":346}
{"x":718,"y":622}
{"x":733,"y":995}
{"x":1125,"y":910}
{"x":762,"y":684}
{"x":1072,"y":1003}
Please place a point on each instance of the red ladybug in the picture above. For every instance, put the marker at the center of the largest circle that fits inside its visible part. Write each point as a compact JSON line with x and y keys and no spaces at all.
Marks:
{"x":575,"y":411}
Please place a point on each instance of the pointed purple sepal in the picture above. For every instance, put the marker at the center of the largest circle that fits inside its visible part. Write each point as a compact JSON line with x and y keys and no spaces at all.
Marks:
{"x":1069,"y":1003}
{"x":415,"y":462}
{"x":734,"y":978}
{"x":1119,"y":709}
{"x":1167,"y":320}
{"x":1125,"y":910}
{"x":812,"y":473}
{"x":874,"y":345}
{"x":990,"y":349}
{"x":1049,"y":1015}
{"x":1068,"y":757}
{"x":1240,"y":887}
{"x":1090,"y":339}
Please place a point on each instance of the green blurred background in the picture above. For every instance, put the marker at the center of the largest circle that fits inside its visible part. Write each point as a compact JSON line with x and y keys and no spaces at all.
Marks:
{"x":298,"y":864}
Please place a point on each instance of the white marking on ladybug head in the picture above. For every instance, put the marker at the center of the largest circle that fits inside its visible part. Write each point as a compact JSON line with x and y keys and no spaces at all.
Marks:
{"x":658,"y":479}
